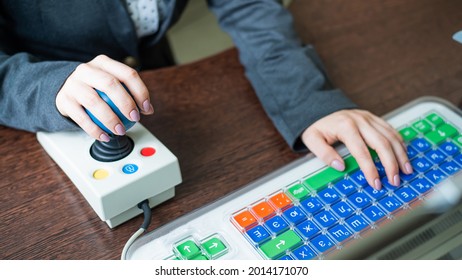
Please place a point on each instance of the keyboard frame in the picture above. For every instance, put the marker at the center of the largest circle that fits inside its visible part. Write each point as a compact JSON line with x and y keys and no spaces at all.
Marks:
{"x":201,"y":223}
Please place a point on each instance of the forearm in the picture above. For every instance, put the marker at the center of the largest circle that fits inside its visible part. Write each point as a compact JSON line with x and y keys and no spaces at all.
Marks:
{"x":290,"y":84}
{"x":28,"y":89}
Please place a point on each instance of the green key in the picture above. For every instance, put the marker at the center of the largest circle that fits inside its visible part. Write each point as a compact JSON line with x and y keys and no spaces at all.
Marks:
{"x":329,"y":174}
{"x":200,"y":258}
{"x":435,"y":119}
{"x":458,"y":140}
{"x":280,"y":244}
{"x":448,"y":129}
{"x":408,"y":133}
{"x":188,"y":249}
{"x":214,"y":247}
{"x":298,"y":191}
{"x":422,"y":126}
{"x":436,"y":136}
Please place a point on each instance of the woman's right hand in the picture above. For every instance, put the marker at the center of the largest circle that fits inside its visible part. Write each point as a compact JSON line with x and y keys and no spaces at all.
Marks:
{"x":105,"y":74}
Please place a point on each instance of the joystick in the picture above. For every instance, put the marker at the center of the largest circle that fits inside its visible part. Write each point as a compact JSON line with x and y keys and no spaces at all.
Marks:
{"x":115,"y":176}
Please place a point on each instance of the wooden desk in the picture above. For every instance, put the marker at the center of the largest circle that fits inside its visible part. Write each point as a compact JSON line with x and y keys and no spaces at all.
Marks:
{"x":382,"y":54}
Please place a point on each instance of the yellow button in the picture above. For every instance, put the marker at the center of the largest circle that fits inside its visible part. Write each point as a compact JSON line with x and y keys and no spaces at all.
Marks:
{"x":100,"y":174}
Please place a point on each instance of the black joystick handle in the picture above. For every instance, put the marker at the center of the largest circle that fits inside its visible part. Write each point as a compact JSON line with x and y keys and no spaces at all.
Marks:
{"x":117,"y":148}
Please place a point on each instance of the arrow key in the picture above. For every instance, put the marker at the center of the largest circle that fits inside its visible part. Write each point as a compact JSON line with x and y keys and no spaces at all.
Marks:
{"x":188,"y":249}
{"x":215,"y":247}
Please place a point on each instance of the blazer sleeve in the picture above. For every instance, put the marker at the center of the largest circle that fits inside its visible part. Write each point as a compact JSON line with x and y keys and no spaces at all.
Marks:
{"x":28,"y":88}
{"x":287,"y":76}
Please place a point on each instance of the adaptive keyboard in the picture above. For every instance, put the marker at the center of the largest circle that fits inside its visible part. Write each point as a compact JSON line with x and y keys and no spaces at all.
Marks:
{"x":309,"y":211}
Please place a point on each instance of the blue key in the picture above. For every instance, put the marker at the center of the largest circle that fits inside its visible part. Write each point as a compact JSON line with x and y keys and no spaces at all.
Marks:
{"x":359,"y":200}
{"x":325,"y":218}
{"x":435,"y":156}
{"x":407,"y":177}
{"x":346,"y":186}
{"x":374,"y":213}
{"x":421,"y":185}
{"x":303,"y":253}
{"x":359,"y":179}
{"x":329,"y":195}
{"x":420,"y":144}
{"x":458,"y":159}
{"x":311,"y":204}
{"x":435,"y":176}
{"x":406,"y":194}
{"x":285,"y":258}
{"x":380,"y":168}
{"x":322,"y":243}
{"x":449,"y":148}
{"x":342,"y":209}
{"x":258,"y":234}
{"x":294,"y":215}
{"x":387,"y":185}
{"x":340,"y":232}
{"x":357,"y":223}
{"x":307,"y":229}
{"x":411,"y":152}
{"x":421,"y":164}
{"x":375,"y":193}
{"x":276,"y":225}
{"x":450,"y":167}
{"x":390,"y":203}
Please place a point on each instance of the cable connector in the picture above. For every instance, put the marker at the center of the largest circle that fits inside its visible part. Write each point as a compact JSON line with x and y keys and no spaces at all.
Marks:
{"x":143,"y":205}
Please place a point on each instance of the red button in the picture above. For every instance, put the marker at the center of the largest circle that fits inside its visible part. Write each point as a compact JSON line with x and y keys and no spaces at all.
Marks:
{"x":147,"y":152}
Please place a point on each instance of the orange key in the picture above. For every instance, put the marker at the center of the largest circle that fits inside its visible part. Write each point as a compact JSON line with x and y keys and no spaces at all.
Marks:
{"x":263,"y":210}
{"x":280,"y":200}
{"x":245,"y":219}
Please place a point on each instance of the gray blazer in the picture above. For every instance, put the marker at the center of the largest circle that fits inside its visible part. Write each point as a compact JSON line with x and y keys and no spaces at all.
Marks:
{"x":42,"y":42}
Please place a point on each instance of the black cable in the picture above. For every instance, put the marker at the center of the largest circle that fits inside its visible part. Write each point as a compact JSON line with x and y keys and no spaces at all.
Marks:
{"x":144,"y":205}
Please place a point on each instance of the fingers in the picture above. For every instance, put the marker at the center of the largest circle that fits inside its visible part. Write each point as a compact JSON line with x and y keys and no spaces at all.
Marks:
{"x":129,"y":77}
{"x":106,"y":75}
{"x":357,"y":130}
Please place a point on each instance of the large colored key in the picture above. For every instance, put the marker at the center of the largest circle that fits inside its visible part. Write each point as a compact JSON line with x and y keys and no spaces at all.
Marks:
{"x":321,"y":179}
{"x":277,"y":246}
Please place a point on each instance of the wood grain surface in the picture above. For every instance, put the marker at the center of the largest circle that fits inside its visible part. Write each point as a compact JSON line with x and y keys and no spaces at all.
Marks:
{"x":381,"y":53}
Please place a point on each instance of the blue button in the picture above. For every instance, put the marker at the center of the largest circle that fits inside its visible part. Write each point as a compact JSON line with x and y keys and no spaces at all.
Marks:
{"x":436,"y":156}
{"x":325,"y":218}
{"x":411,"y":152}
{"x":450,"y":167}
{"x":303,"y":253}
{"x":408,"y":177}
{"x":375,"y":193}
{"x":311,"y":204}
{"x":329,"y":195}
{"x":421,"y":185}
{"x":276,"y":224}
{"x":449,"y":148}
{"x":421,"y":164}
{"x":342,"y":209}
{"x":420,"y":144}
{"x":390,"y":203}
{"x":359,"y":200}
{"x":357,"y":223}
{"x":380,"y":168}
{"x":435,"y":176}
{"x":285,"y":258}
{"x":406,"y":194}
{"x":322,"y":243}
{"x":346,"y":186}
{"x":458,"y":159}
{"x":294,"y":215}
{"x":387,"y":185}
{"x":373,"y":213}
{"x":307,"y":229}
{"x":340,"y":232}
{"x":130,"y":168}
{"x":258,"y":234}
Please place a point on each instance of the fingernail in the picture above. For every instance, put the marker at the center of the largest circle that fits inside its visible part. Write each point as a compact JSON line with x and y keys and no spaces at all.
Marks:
{"x":408,"y":168}
{"x":337,"y":165}
{"x":147,"y":107}
{"x":396,"y":180}
{"x":104,"y":137}
{"x":134,"y":115}
{"x":377,"y":184}
{"x":120,"y":129}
